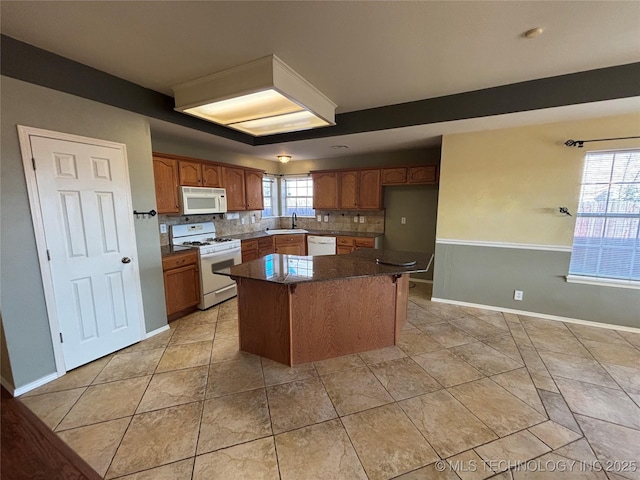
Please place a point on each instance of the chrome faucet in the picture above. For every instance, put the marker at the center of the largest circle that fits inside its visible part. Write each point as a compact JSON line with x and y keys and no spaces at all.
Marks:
{"x":294,"y":218}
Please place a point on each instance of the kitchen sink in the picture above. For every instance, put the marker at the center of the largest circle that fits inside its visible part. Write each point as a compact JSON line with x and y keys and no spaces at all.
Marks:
{"x":286,"y":231}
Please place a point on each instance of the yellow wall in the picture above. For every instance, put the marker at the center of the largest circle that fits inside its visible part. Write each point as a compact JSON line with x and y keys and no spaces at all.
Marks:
{"x":506,"y":185}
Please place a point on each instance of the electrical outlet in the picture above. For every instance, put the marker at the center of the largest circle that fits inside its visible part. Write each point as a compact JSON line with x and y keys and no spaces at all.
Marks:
{"x":362,"y":219}
{"x":355,"y":219}
{"x":403,"y":220}
{"x":253,"y":219}
{"x":319,"y":218}
{"x":326,"y":218}
{"x":517,"y":294}
{"x":163,"y":228}
{"x":243,"y":220}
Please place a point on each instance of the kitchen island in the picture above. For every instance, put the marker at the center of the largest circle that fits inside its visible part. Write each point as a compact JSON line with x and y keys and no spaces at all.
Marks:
{"x":298,"y":309}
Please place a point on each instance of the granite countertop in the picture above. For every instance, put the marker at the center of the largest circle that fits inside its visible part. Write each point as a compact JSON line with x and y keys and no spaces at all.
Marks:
{"x":262,"y":233}
{"x":167,"y":250}
{"x":293,"y":269}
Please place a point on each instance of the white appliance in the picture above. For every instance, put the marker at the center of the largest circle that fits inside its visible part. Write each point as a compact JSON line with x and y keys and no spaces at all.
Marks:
{"x":202,"y":200}
{"x":215,"y":254}
{"x":317,"y":245}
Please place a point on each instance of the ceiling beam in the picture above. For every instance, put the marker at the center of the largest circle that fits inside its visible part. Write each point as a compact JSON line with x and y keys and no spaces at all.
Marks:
{"x":35,"y":65}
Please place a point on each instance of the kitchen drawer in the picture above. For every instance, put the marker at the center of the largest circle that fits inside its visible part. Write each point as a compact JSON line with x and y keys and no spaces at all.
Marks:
{"x":265,"y":242}
{"x":247,"y":245}
{"x":345,"y":241}
{"x":289,"y":239}
{"x":249,"y":255}
{"x":365,"y":242}
{"x":179,"y":260}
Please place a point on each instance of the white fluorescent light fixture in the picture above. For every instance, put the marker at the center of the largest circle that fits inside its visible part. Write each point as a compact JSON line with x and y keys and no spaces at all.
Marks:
{"x":263,"y":97}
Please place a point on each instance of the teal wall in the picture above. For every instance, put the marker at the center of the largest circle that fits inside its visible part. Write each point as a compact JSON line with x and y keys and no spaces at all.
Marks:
{"x":24,"y":315}
{"x":489,"y":275}
{"x":419,"y":205}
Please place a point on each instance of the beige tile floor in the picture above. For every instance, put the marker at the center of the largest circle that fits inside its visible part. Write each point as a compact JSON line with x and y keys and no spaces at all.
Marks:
{"x":466,"y":394}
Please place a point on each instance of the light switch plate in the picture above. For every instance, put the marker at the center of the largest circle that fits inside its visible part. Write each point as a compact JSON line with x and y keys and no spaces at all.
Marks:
{"x":355,"y":219}
{"x":362,"y":219}
{"x":319,"y":218}
{"x":326,"y":218}
{"x":403,"y":220}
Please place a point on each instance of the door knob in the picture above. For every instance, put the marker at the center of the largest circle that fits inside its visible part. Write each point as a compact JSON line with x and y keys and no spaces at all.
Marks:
{"x":125,"y":260}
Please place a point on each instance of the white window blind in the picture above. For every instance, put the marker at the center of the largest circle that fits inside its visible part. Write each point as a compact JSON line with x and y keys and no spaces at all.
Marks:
{"x":606,"y":242}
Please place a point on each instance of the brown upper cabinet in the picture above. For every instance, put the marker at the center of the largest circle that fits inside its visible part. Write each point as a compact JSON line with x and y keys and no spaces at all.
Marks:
{"x":211,"y":175}
{"x":244,"y":185}
{"x":325,"y":190}
{"x":195,"y":174}
{"x":348,"y":190}
{"x":253,"y":190}
{"x":233,"y":179}
{"x":360,"y":190}
{"x":165,"y":173}
{"x":369,"y":190}
{"x":423,"y":174}
{"x":244,"y":188}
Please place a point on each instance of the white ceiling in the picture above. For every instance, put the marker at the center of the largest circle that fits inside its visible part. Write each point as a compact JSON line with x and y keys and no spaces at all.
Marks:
{"x":361,"y":54}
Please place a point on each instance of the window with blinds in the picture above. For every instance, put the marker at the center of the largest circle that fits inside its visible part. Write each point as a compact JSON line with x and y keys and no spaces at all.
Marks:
{"x":298,"y":196}
{"x":606,"y":242}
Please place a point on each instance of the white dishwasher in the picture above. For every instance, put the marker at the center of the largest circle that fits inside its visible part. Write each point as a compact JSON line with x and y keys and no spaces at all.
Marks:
{"x":317,"y":245}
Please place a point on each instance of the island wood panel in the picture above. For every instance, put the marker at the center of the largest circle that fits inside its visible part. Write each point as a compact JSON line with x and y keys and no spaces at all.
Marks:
{"x":402,"y":302}
{"x":342,"y":317}
{"x":265,"y":325}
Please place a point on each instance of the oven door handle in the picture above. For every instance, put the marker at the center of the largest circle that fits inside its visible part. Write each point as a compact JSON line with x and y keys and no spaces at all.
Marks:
{"x":233,"y":251}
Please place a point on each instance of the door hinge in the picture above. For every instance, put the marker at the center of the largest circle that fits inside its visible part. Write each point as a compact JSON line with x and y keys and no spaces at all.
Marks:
{"x":33,"y":162}
{"x":61,"y":340}
{"x":48,"y":255}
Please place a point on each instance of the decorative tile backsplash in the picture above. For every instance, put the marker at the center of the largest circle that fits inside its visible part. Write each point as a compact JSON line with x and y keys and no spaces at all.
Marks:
{"x":338,"y":221}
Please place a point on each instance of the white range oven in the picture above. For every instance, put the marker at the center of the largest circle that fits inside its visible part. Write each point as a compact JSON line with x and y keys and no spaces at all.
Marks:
{"x":215,"y":253}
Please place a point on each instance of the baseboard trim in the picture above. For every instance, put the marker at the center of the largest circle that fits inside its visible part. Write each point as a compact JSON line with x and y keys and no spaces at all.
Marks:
{"x":546,"y":316}
{"x":419,"y":280}
{"x":16,"y":392}
{"x":156,"y":331}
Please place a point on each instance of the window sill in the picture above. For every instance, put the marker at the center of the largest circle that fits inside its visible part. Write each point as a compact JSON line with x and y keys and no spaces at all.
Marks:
{"x":603,"y":282}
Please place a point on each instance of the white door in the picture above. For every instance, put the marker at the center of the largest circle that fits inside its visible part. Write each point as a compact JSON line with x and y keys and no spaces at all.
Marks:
{"x":86,"y":210}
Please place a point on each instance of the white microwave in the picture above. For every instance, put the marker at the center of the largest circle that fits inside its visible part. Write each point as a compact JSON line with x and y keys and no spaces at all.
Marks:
{"x":202,"y":200}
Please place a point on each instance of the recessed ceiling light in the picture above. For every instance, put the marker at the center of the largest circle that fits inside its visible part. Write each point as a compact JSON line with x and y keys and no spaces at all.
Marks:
{"x":533,"y":33}
{"x":339,"y":147}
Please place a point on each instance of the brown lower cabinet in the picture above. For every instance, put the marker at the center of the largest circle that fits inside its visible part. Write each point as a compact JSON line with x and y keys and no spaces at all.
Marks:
{"x":349,"y":244}
{"x":296,"y":244}
{"x":265,"y":246}
{"x":290,"y":244}
{"x":249,"y":250}
{"x":181,"y":283}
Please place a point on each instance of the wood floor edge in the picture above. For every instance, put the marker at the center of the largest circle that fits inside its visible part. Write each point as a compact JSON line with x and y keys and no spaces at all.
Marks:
{"x":31,"y":450}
